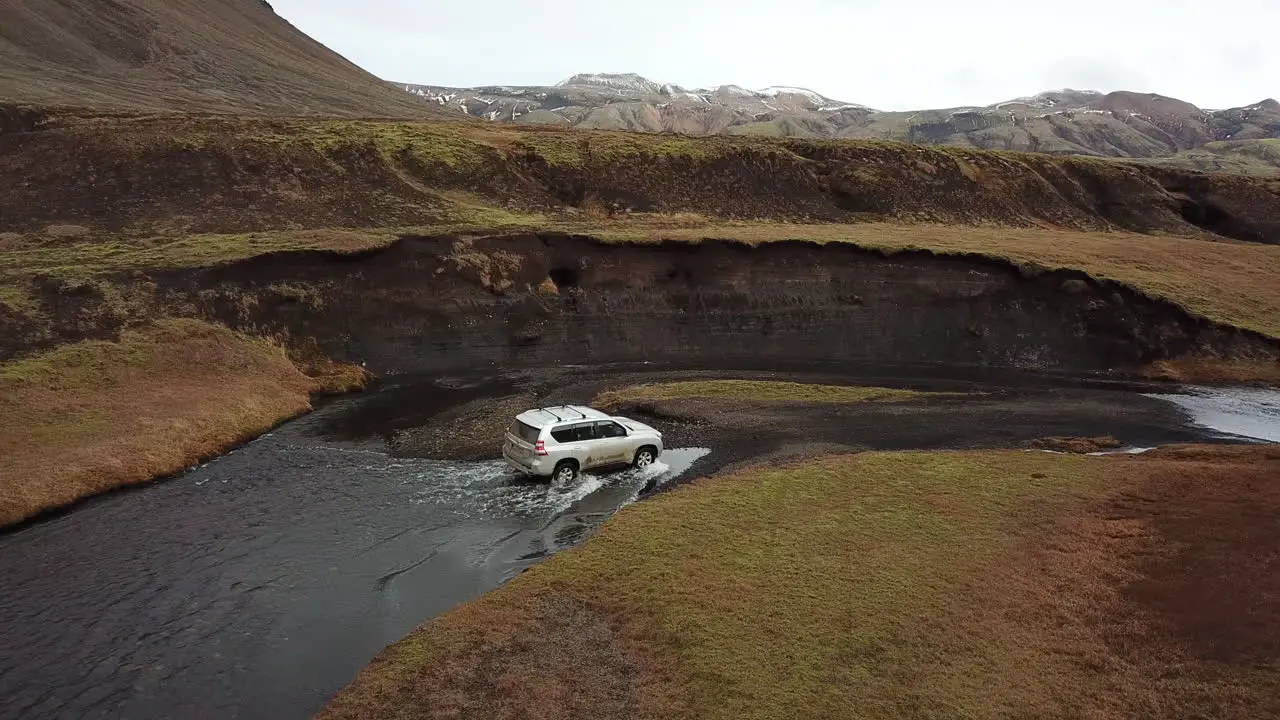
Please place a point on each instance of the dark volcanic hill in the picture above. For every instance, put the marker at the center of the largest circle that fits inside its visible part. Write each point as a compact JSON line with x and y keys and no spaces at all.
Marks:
{"x":190,"y":55}
{"x":1119,"y":124}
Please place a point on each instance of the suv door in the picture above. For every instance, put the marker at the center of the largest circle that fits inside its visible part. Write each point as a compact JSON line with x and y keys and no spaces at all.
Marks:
{"x":577,"y":441}
{"x":612,"y":443}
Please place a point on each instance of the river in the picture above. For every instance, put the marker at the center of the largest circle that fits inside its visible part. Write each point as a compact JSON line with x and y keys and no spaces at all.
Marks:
{"x":257,"y":585}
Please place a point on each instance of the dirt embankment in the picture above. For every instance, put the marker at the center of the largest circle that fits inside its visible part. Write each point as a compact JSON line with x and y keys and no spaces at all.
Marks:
{"x":432,"y":304}
{"x":168,"y":175}
{"x":446,"y":304}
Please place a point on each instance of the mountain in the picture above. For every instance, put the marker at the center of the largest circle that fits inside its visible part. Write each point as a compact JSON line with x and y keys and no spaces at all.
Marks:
{"x":233,"y":56}
{"x":1074,"y":122}
{"x":625,"y":101}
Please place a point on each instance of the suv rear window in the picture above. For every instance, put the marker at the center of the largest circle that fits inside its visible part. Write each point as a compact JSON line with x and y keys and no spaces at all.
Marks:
{"x":528,"y":433}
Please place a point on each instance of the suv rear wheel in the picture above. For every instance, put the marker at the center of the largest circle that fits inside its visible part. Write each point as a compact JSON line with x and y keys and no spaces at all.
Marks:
{"x":644,"y":457}
{"x":565,"y":473}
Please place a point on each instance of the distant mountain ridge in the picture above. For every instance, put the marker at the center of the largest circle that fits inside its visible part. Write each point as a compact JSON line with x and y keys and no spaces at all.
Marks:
{"x":1076,"y":122}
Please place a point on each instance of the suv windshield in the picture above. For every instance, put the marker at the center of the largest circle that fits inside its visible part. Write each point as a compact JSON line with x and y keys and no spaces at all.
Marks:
{"x":528,"y":433}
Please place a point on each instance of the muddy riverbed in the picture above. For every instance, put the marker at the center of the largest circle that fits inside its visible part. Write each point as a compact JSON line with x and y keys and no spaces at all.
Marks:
{"x":257,"y":585}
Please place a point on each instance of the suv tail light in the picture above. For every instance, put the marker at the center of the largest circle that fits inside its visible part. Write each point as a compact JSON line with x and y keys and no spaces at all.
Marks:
{"x":541,"y":447}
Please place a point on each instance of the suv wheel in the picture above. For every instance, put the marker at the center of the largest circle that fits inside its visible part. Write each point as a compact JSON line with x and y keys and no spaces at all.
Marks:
{"x":565,"y":473}
{"x":644,"y":457}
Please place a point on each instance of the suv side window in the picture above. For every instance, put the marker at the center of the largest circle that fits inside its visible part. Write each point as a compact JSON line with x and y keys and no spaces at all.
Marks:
{"x":566,"y":434}
{"x":573,"y":433}
{"x":610,"y":429}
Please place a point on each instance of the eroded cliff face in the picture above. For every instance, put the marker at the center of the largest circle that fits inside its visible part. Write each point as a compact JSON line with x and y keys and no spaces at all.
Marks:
{"x":449,"y":304}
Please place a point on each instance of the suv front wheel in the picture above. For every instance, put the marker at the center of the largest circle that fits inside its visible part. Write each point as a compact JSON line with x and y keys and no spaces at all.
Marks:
{"x":645,"y":457}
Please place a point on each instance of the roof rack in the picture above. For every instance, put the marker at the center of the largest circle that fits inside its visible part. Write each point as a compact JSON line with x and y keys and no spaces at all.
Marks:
{"x":562,"y":408}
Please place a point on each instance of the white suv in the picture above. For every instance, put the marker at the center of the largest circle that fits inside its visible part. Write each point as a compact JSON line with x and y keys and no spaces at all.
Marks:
{"x":560,"y":442}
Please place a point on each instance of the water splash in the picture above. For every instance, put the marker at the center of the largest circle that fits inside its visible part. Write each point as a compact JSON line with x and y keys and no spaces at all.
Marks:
{"x":493,"y":489}
{"x":541,"y":499}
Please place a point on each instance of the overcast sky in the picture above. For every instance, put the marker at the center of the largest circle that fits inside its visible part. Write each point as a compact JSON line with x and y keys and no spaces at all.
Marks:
{"x":889,"y":54}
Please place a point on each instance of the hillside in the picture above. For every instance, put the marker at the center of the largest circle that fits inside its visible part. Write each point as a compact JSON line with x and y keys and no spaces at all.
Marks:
{"x":233,"y":56}
{"x":1119,"y":124}
{"x":230,"y":175}
{"x":1253,"y":157}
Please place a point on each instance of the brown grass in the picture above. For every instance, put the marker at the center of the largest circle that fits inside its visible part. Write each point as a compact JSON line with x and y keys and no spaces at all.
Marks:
{"x":1078,"y":445}
{"x":885,"y":585}
{"x":94,"y":416}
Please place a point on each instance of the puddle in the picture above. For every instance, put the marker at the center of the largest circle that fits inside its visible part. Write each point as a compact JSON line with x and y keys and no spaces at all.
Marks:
{"x":1234,"y":413}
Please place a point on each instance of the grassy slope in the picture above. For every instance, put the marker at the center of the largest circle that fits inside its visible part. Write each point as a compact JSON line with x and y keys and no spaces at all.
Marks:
{"x":1251,"y":157}
{"x":246,"y":174}
{"x":886,"y":585}
{"x":758,"y":390}
{"x":93,"y":416}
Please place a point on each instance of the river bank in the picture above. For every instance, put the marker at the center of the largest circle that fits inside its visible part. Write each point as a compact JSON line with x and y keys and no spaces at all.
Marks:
{"x":884,"y":585}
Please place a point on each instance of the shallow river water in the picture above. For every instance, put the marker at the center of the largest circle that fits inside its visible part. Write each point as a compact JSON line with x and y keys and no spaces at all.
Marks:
{"x":257,"y":585}
{"x":1245,"y":413}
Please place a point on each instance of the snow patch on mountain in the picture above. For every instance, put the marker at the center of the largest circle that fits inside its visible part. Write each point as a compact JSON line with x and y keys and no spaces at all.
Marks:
{"x":810,"y":95}
{"x":675,"y":91}
{"x":735,"y":91}
{"x":615,"y":81}
{"x":1054,"y":98}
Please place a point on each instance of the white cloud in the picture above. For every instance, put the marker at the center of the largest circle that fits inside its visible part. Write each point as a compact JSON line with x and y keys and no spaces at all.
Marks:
{"x":890,"y":54}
